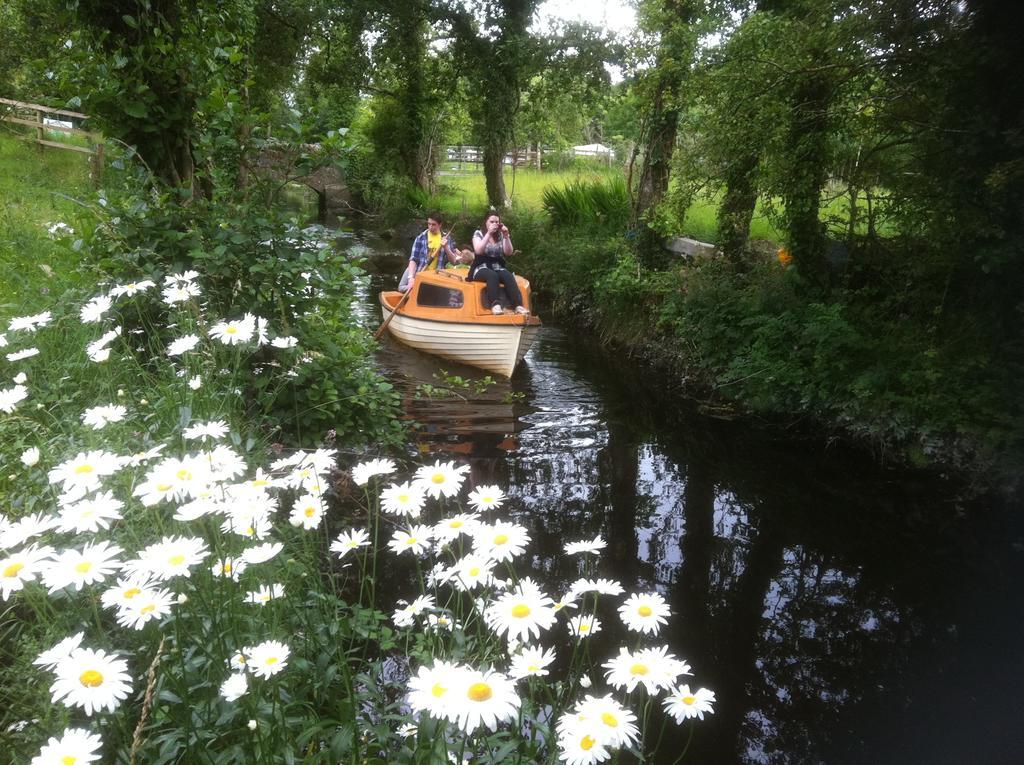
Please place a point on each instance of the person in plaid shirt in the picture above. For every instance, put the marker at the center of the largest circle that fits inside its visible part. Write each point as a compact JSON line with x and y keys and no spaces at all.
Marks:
{"x":431,"y":249}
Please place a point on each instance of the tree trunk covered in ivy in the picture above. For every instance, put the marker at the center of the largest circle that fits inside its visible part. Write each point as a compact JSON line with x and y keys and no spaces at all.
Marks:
{"x":737,"y":207}
{"x":657,"y":141}
{"x":414,"y":95}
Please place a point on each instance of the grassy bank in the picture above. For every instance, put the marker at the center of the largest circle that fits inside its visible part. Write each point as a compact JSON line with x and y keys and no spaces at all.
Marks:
{"x":38,"y":189}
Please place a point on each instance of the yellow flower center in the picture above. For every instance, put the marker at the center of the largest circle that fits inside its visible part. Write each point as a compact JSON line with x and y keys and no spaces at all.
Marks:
{"x":250,"y":531}
{"x":83,"y":567}
{"x":584,"y":628}
{"x":403,"y":498}
{"x":532,"y":668}
{"x":456,"y":524}
{"x":13,"y":569}
{"x":437,"y":478}
{"x":587,"y":743}
{"x":226,"y":567}
{"x":644,"y":611}
{"x":410,"y":541}
{"x":310,"y":511}
{"x":68,"y":759}
{"x":438,"y":690}
{"x":84,"y":469}
{"x":164,"y":486}
{"x":131,"y":592}
{"x":689,"y":700}
{"x":271,"y":660}
{"x":501,"y":539}
{"x":147,"y":609}
{"x":176,"y":560}
{"x":638,"y":669}
{"x":91,"y":678}
{"x":475,"y":571}
{"x":260,"y":482}
{"x":610,"y":720}
{"x":479,"y":692}
{"x":231,"y":330}
{"x":183,"y":475}
{"x":520,"y":610}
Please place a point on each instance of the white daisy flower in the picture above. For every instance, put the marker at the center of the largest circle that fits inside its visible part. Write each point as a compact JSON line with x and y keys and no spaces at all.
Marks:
{"x":125,"y":592}
{"x":234,"y":687}
{"x":149,"y":604}
{"x":24,"y":529}
{"x":229,"y":568}
{"x":600,"y":586}
{"x":51,"y":658}
{"x":441,"y":478}
{"x":11,"y":397}
{"x":403,"y":499}
{"x":501,"y":541}
{"x":195,"y":383}
{"x":30,"y":456}
{"x":654,"y":668}
{"x":530,"y":661}
{"x":27,"y":353}
{"x":364,"y":471}
{"x":521,"y":614}
{"x":234,"y":332}
{"x":77,"y":568}
{"x":181,"y":293}
{"x":21,"y":567}
{"x":472,"y":571}
{"x":265,"y":594}
{"x":85,"y":469}
{"x":307,"y":512}
{"x":612,"y":724}
{"x":430,"y":689}
{"x":584,"y":625}
{"x":98,"y":417}
{"x":170,"y":557}
{"x":578,"y":745}
{"x":96,"y":347}
{"x":93,"y":310}
{"x":350,"y":540}
{"x":416,"y":539}
{"x":284,"y":342}
{"x":482,"y":698}
{"x":93,"y":680}
{"x":203,"y":430}
{"x":182,"y":345}
{"x":683,"y":703}
{"x":645,"y":612}
{"x":486,"y":498}
{"x":132,"y":288}
{"x":594,"y":545}
{"x":186,"y":276}
{"x":267,"y":658}
{"x":29,"y":323}
{"x":450,"y":528}
{"x":261,"y":553}
{"x":75,"y":747}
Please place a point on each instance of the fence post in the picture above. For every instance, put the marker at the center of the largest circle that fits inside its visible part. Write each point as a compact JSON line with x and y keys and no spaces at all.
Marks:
{"x":39,"y":130}
{"x":97,"y":159}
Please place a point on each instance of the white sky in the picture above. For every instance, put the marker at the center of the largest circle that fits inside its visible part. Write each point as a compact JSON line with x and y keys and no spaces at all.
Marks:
{"x":617,"y":15}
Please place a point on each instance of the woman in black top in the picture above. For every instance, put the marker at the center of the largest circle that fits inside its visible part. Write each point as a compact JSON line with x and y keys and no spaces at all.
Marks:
{"x":491,"y":244}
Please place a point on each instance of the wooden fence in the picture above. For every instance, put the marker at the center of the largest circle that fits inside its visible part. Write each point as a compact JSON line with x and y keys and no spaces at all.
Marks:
{"x":35,"y":116}
{"x":527,"y":157}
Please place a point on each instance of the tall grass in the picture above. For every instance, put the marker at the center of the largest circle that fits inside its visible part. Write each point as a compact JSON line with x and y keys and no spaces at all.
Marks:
{"x":604,"y":202}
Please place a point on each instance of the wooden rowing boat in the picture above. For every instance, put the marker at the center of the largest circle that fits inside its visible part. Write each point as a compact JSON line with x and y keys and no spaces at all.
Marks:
{"x":447,"y":316}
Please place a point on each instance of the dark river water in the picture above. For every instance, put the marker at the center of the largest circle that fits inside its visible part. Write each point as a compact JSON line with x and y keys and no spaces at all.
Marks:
{"x":842,"y":612}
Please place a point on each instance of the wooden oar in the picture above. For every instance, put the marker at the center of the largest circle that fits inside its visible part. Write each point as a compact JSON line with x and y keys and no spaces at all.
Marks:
{"x":380,"y":330}
{"x":408,"y":292}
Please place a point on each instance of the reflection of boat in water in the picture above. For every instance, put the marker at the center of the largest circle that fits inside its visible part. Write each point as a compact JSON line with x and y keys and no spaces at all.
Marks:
{"x":447,"y":316}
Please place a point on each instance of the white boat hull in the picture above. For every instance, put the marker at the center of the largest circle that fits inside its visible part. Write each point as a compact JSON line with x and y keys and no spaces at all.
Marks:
{"x":496,"y":348}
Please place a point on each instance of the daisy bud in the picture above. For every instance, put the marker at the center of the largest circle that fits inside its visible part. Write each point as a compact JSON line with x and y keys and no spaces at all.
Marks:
{"x":585,"y":681}
{"x":143,"y":401}
{"x":120,"y":393}
{"x":182,"y":599}
{"x":252,"y":725}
